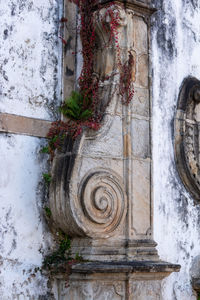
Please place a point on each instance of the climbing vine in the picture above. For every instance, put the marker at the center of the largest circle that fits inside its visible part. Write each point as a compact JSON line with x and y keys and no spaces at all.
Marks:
{"x":82,"y":107}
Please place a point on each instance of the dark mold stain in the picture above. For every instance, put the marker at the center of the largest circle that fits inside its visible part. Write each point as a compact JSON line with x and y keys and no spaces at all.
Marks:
{"x":183,"y":210}
{"x":193,"y":2}
{"x":13,"y":9}
{"x":69,"y":72}
{"x":165,"y":33}
{"x":5,"y":34}
{"x":22,"y":5}
{"x":166,"y":38}
{"x":5,"y":76}
{"x":68,"y":44}
{"x":192,"y":246}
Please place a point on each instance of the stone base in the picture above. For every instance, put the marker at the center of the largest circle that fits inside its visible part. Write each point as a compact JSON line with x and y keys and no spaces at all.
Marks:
{"x":114,"y":250}
{"x":115,"y":281}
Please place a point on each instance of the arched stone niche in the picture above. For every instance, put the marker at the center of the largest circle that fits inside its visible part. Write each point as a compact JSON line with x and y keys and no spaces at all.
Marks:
{"x":187,"y":136}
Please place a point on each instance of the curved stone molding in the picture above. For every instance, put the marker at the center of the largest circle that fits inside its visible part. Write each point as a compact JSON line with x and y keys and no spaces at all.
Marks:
{"x":95,"y":208}
{"x":187,"y":136}
{"x":195,"y":273}
{"x":103,"y":202}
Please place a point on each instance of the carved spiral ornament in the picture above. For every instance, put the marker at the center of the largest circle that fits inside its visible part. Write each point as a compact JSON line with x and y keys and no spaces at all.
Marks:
{"x":103,"y":201}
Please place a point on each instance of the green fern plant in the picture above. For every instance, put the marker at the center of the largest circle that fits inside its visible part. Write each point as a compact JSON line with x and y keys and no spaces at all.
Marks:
{"x":77,"y":107}
{"x":47,"y":177}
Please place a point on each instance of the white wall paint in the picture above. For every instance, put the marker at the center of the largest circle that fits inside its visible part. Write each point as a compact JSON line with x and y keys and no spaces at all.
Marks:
{"x":175,"y":55}
{"x":29,"y":56}
{"x":30,"y":85}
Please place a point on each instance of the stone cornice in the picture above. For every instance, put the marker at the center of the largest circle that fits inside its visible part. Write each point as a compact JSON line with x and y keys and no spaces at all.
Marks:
{"x":140,"y":6}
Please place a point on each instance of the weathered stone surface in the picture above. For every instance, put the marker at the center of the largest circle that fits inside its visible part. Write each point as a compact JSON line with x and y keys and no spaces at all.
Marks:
{"x":99,"y":176}
{"x":116,"y":280}
{"x":195,"y":273}
{"x":141,"y":103}
{"x":101,"y":188}
{"x":140,"y":38}
{"x":125,"y":267}
{"x":140,"y":138}
{"x":141,"y":198}
{"x":142,"y":74}
{"x":93,"y":290}
{"x":69,"y":31}
{"x":187,"y":134}
{"x":108,"y":144}
{"x":143,"y":290}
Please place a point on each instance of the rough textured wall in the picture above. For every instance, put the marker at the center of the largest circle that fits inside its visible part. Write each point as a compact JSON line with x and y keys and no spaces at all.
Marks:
{"x":29,"y":57}
{"x":175,"y":55}
{"x":30,"y":85}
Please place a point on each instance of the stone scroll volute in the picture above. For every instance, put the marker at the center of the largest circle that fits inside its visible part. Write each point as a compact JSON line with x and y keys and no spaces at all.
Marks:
{"x":87,"y":193}
{"x":100,"y":186}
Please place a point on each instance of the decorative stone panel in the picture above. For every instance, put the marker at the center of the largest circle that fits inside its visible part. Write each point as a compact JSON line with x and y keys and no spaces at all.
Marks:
{"x":100,"y":192}
{"x":115,"y":281}
{"x":187,"y":136}
{"x":101,"y":183}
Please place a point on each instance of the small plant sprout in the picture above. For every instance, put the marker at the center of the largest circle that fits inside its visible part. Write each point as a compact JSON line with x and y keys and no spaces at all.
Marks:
{"x":47,"y":177}
{"x":47,"y":211}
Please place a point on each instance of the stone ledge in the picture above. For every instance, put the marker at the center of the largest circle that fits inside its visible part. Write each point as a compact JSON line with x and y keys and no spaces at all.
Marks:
{"x":140,"y":5}
{"x":125,"y":267}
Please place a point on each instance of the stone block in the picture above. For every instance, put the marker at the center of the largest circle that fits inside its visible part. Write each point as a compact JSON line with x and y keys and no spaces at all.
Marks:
{"x":140,"y":201}
{"x":140,"y":35}
{"x":108,"y":142}
{"x":142,"y":73}
{"x":115,"y":281}
{"x":140,"y":102}
{"x":140,"y":138}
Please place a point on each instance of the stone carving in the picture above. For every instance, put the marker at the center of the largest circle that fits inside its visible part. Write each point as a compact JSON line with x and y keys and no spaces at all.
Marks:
{"x":144,"y":290}
{"x":187,"y":136}
{"x":101,"y":185}
{"x":95,"y":178}
{"x":103,"y":202}
{"x":195,"y":273}
{"x":93,"y":208}
{"x":101,"y":290}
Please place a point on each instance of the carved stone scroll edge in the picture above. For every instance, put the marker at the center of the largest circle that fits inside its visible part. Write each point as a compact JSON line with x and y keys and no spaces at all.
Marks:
{"x":179,"y":131}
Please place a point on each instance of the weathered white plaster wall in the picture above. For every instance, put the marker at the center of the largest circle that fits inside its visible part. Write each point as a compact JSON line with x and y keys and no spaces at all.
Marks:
{"x":29,"y":57}
{"x":175,"y":55}
{"x":30,"y":85}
